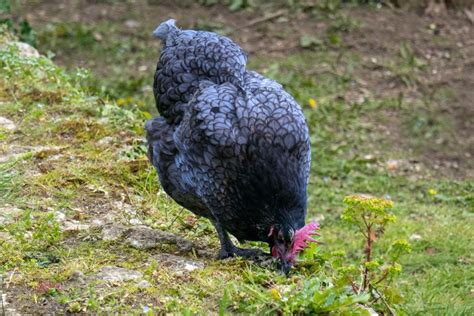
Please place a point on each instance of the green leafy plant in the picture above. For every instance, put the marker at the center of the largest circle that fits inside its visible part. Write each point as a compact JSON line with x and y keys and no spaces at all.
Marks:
{"x":33,"y":237}
{"x":235,"y":5}
{"x":324,"y":281}
{"x":266,"y":294}
{"x":20,"y":27}
{"x":371,"y":216}
{"x":310,"y":42}
{"x":408,"y":66}
{"x":7,"y":175}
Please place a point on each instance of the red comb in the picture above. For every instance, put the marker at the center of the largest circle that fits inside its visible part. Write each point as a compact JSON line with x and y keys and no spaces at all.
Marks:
{"x":303,"y":235}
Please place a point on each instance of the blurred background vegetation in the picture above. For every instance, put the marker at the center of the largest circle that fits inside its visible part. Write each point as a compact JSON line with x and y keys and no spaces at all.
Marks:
{"x":386,"y":87}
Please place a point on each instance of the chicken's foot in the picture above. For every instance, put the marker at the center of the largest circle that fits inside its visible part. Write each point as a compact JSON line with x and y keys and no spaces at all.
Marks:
{"x":228,"y":249}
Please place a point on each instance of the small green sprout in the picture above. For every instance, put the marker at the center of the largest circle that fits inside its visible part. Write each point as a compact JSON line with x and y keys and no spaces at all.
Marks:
{"x":371,"y":215}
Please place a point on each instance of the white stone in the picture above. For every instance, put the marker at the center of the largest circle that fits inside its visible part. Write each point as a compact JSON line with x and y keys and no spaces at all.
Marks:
{"x":135,"y":221}
{"x":143,"y":284}
{"x":414,"y":237}
{"x":178,"y":264}
{"x":7,"y":124}
{"x":117,"y":274}
{"x":131,"y":24}
{"x":60,"y":216}
{"x":74,"y":226}
{"x":392,"y":164}
{"x":106,"y":140}
{"x":113,"y":232}
{"x":25,"y":49}
{"x":9,"y":214}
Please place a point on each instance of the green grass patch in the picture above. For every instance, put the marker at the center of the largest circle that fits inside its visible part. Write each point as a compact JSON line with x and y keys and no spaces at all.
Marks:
{"x":99,"y":167}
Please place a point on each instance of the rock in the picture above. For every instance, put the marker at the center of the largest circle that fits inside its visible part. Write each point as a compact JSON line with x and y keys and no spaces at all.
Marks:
{"x":11,"y":312}
{"x":369,"y":310}
{"x":43,"y":152}
{"x":179,"y":265}
{"x":143,"y":237}
{"x":27,"y":50}
{"x":97,"y":222}
{"x":131,"y":24}
{"x":392,"y":165}
{"x":116,"y":274}
{"x":78,"y":276}
{"x":403,"y":165}
{"x":355,"y":97}
{"x":143,"y":284}
{"x":8,"y":215}
{"x":74,"y":307}
{"x":5,"y":307}
{"x":113,"y":232}
{"x":7,"y":124}
{"x":107,"y":140}
{"x":319,"y":218}
{"x":414,"y":237}
{"x":15,"y":152}
{"x":97,"y":36}
{"x":74,"y":226}
{"x":24,"y":49}
{"x":369,"y":158}
{"x":5,"y":236}
{"x":135,"y":221}
{"x":125,"y":208}
{"x":59,"y":216}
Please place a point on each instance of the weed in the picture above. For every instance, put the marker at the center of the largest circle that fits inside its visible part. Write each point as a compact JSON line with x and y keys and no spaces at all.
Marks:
{"x":408,"y":66}
{"x":20,"y":28}
{"x":371,"y":216}
{"x":326,"y":283}
{"x":100,"y":171}
{"x":7,"y":176}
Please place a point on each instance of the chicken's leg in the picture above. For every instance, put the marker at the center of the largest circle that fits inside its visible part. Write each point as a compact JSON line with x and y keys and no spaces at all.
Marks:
{"x":228,"y":249}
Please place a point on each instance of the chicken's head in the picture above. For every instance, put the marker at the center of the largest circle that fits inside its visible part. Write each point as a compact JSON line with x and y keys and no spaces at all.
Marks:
{"x":285,"y":242}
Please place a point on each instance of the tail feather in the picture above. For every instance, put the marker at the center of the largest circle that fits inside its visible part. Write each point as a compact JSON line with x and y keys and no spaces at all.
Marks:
{"x":187,"y":60}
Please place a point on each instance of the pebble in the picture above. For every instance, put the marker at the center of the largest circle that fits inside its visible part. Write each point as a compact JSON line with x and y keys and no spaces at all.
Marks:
{"x":113,"y":232}
{"x":143,"y":284}
{"x":7,"y":124}
{"x":8,"y":215}
{"x":24,"y":49}
{"x":117,"y":274}
{"x":414,"y":237}
{"x":178,"y":264}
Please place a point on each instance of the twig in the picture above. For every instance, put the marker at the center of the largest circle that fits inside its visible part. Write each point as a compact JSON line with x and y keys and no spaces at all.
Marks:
{"x":3,"y":304}
{"x":388,"y":4}
{"x":391,"y":311}
{"x":384,"y":276}
{"x":354,"y":286}
{"x":3,"y":296}
{"x":10,"y":279}
{"x":256,"y":21}
{"x":176,"y":217}
{"x":126,"y":193}
{"x":368,"y":253}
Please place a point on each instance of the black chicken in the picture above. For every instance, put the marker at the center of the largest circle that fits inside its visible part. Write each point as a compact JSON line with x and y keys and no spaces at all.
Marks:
{"x":230,"y":144}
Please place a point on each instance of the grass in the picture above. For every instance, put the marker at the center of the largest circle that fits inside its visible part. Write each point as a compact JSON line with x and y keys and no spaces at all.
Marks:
{"x":6,"y":181}
{"x":86,"y":178}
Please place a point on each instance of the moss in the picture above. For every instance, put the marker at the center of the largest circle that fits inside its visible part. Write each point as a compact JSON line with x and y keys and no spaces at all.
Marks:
{"x":87,"y":178}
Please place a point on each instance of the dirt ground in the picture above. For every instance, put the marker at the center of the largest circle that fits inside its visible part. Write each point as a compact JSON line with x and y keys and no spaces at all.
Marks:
{"x":443,"y":39}
{"x":434,"y":77}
